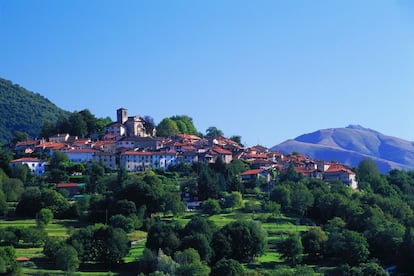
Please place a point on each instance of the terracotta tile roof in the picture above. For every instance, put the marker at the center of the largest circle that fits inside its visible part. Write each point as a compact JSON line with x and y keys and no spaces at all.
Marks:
{"x":26,"y":159}
{"x":26,"y":143}
{"x":103,"y":143}
{"x":221,"y":151}
{"x":81,"y":151}
{"x":137,"y":153}
{"x":334,"y":168}
{"x":252,"y":172}
{"x":52,"y":145}
{"x":188,"y":136}
{"x":67,"y":185}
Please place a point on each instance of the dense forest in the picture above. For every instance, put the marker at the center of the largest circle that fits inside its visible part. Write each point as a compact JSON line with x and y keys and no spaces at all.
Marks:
{"x":24,"y":111}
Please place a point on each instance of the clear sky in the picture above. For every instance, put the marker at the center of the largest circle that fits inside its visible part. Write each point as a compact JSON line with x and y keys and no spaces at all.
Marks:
{"x":266,"y":70}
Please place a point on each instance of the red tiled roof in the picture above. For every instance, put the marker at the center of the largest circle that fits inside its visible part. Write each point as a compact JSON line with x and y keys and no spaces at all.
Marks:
{"x":188,"y":136}
{"x":252,"y":172}
{"x":81,"y":151}
{"x":26,"y":143}
{"x":137,"y":153}
{"x":51,"y":145}
{"x":22,"y":259}
{"x":26,"y":159}
{"x":67,"y":185}
{"x":338,"y":168}
{"x":221,"y":151}
{"x":103,"y":143}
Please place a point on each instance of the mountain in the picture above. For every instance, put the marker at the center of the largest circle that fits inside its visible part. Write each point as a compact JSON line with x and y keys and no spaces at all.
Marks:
{"x":23,"y":110}
{"x":352,"y":144}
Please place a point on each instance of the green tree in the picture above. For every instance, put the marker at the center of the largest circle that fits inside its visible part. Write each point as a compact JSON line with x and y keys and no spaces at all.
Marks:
{"x":313,"y":242}
{"x":162,"y":236}
{"x":200,"y":243}
{"x":43,"y":218}
{"x":8,"y":260}
{"x":20,"y":136}
{"x":51,"y":246}
{"x":210,"y":206}
{"x":120,"y":221}
{"x":30,"y":202}
{"x":291,"y":249}
{"x":100,"y":243}
{"x":13,"y":188}
{"x":67,"y":258}
{"x":213,"y":132}
{"x":190,"y":263}
{"x":227,"y":267}
{"x":250,"y":237}
{"x":4,"y":208}
{"x":167,"y":128}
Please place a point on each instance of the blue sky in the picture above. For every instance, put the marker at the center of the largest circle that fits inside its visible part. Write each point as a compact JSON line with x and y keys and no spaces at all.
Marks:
{"x":265,"y":70}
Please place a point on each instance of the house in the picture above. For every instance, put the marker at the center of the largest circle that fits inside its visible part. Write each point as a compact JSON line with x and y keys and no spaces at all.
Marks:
{"x":107,"y":159}
{"x":59,"y":138}
{"x":82,"y":144}
{"x":225,"y":155}
{"x":50,"y":147}
{"x":128,"y":143}
{"x":81,"y":155}
{"x":188,"y":157}
{"x":136,"y":161}
{"x":338,"y":172}
{"x":117,"y":129}
{"x":72,"y":188}
{"x":35,"y":165}
{"x":105,"y":146}
{"x":26,"y":147}
{"x":256,"y":174}
{"x":141,"y":161}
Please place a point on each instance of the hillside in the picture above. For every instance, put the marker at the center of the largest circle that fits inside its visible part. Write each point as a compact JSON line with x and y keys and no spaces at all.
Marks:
{"x":23,"y":110}
{"x":352,"y":144}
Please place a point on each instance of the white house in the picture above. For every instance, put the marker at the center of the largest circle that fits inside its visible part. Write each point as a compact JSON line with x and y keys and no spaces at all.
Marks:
{"x":341,"y":173}
{"x":81,"y":155}
{"x":35,"y":165}
{"x":107,"y":159}
{"x":141,"y":161}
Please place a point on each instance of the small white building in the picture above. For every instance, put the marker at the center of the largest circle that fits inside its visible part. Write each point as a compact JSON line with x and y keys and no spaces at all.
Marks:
{"x":81,"y":155}
{"x":338,"y":172}
{"x":35,"y":165}
{"x":141,"y":161}
{"x":107,"y":159}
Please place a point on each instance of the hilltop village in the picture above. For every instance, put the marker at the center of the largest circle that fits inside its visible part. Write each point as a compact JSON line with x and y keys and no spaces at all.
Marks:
{"x":127,"y":145}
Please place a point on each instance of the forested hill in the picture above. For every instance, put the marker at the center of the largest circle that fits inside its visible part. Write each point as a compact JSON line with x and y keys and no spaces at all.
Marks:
{"x":23,"y":110}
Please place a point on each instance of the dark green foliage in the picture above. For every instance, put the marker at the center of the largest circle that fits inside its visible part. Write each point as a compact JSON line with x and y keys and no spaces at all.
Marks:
{"x":244,"y":241}
{"x":100,"y":243}
{"x":51,"y":246}
{"x":228,"y":267}
{"x":200,"y":243}
{"x":67,"y":258}
{"x":213,"y":132}
{"x":291,"y":249}
{"x":25,"y":111}
{"x":162,"y":236}
{"x":43,"y":218}
{"x":7,"y":260}
{"x":210,"y":206}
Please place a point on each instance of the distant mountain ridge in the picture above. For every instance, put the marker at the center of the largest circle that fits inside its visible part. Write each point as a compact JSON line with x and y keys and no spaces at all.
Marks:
{"x":352,"y":144}
{"x":23,"y":110}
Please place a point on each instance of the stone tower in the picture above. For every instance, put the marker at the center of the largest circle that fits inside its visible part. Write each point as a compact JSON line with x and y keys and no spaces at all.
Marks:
{"x":122,"y":115}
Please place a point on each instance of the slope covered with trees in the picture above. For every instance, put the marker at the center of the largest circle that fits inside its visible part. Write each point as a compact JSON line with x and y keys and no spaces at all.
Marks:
{"x":24,"y":111}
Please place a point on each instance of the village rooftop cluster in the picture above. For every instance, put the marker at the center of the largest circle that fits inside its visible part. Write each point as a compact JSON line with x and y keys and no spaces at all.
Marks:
{"x":127,"y":145}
